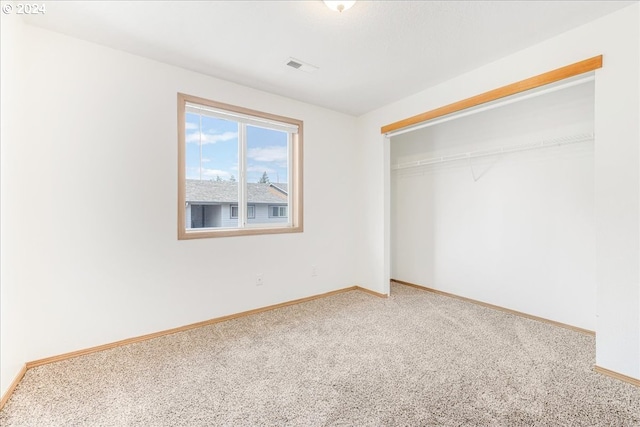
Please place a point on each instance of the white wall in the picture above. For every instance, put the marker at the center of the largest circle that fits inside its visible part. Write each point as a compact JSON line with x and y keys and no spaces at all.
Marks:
{"x":516,"y":230}
{"x":94,"y":142}
{"x":14,"y":298}
{"x":617,"y":167}
{"x":84,"y":122}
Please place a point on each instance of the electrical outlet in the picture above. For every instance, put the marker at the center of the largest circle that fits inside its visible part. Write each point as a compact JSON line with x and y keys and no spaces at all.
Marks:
{"x":314,"y":270}
{"x":259,"y":280}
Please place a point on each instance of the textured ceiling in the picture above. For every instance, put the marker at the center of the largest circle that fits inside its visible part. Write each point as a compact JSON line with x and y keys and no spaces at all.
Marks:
{"x":371,"y":55}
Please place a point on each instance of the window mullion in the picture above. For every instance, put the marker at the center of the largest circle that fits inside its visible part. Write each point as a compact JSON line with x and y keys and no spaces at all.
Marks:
{"x":242,"y":183}
{"x":290,"y":172}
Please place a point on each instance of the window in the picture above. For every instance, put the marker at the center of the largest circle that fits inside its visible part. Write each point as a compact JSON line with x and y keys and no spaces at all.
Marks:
{"x":235,"y":166}
{"x":251,"y":211}
{"x":278,"y":211}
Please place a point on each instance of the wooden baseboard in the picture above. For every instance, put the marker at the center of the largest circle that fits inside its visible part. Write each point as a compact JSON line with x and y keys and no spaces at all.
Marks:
{"x":369,"y":291}
{"x":13,"y":386}
{"x":497,"y":307}
{"x":146,"y":337}
{"x":133,"y":340}
{"x":616,"y":375}
{"x":115,"y":344}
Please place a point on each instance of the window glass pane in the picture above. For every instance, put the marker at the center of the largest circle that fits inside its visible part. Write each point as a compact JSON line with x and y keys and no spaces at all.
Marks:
{"x":211,"y":156}
{"x":267,"y":173}
{"x":241,"y":171}
{"x":278,"y":211}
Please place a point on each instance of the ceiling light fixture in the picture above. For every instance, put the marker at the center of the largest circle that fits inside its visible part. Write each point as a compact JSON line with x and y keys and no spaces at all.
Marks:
{"x":339,"y":6}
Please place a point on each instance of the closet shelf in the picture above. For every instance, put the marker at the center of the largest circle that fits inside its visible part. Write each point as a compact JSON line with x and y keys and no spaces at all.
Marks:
{"x":554,"y":142}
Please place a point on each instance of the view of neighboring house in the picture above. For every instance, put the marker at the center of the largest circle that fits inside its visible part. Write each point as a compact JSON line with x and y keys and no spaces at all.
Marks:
{"x":215,"y":203}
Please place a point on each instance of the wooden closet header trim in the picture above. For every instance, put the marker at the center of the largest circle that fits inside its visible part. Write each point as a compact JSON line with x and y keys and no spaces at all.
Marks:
{"x":501,"y":92}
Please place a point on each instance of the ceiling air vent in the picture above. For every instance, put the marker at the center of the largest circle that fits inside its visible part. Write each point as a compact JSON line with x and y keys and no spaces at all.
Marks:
{"x":302,"y":66}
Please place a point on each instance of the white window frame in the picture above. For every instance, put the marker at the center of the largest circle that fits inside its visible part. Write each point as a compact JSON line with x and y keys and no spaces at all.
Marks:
{"x":244,"y":117}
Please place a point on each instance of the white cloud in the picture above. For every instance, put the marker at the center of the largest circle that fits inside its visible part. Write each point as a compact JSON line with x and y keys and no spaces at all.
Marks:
{"x":212,"y":173}
{"x":205,"y":160}
{"x":194,"y":173}
{"x":260,"y":169}
{"x":268,"y":154}
{"x":209,"y":138}
{"x":191,"y":126}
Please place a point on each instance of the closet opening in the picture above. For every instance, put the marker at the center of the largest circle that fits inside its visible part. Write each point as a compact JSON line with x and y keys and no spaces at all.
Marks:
{"x":496,"y":202}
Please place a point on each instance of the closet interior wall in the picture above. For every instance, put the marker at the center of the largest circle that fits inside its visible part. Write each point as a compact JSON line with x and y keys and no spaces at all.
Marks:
{"x":515,"y":229}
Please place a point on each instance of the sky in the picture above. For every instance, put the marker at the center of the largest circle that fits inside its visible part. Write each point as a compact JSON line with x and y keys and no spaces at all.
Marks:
{"x":217,"y":140}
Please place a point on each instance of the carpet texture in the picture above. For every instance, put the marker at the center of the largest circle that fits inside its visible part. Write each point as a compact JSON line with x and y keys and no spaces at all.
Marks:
{"x":414,"y":359}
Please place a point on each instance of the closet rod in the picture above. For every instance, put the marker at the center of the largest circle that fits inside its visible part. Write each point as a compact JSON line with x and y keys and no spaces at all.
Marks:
{"x":507,"y":101}
{"x":563,"y":140}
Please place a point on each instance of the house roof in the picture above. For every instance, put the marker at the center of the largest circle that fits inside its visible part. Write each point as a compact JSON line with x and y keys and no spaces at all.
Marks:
{"x":227,"y":192}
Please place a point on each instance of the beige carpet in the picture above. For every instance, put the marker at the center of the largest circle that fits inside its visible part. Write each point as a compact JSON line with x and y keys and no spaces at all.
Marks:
{"x":415,"y":359}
